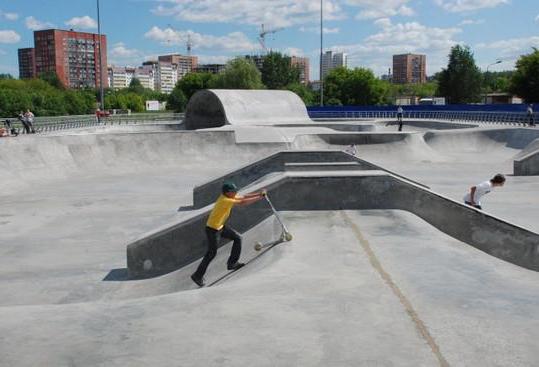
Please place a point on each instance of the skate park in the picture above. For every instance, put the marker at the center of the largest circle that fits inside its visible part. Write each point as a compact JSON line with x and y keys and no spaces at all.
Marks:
{"x":387,"y":266}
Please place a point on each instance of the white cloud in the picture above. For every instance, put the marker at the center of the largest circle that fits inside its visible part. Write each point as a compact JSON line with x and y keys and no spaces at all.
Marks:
{"x":8,"y":16}
{"x":9,"y":36}
{"x":235,"y":41}
{"x":275,"y":13}
{"x":36,"y":25}
{"x":471,"y":22}
{"x":293,"y":51}
{"x":119,"y":50}
{"x":208,"y":59}
{"x":84,"y":22}
{"x":456,"y":6}
{"x":376,"y":50}
{"x":373,"y":9}
{"x":317,"y":30}
{"x":511,"y":48}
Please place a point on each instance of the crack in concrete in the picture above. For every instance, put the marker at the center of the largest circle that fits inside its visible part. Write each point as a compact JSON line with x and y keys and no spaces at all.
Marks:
{"x":419,"y":324}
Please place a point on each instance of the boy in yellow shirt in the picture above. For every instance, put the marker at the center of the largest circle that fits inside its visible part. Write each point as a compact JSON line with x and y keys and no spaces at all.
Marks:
{"x":216,"y":228}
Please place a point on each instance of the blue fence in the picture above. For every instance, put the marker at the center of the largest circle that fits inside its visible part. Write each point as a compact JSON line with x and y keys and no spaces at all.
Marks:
{"x":449,"y":107}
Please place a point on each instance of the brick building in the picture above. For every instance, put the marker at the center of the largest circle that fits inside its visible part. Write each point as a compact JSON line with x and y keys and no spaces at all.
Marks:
{"x":302,"y":63}
{"x":409,"y":68}
{"x":27,"y":64}
{"x":73,"y":56}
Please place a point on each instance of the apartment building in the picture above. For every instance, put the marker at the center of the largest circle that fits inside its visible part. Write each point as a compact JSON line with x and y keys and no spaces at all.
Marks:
{"x":73,"y":56}
{"x":27,"y":63}
{"x":302,"y":63}
{"x":409,"y":68}
{"x":182,"y":64}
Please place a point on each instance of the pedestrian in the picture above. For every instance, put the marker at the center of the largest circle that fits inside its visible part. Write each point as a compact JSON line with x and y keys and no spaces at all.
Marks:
{"x":400,"y":111}
{"x":22,"y":120}
{"x":10,"y":129}
{"x":529,"y":112}
{"x":216,"y":229}
{"x":473,"y":198}
{"x":30,"y":120}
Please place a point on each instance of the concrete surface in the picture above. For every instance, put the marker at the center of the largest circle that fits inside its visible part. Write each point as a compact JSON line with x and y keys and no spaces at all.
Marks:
{"x":354,"y":288}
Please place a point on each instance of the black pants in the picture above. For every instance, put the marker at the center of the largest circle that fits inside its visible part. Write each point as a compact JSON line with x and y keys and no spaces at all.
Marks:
{"x":214,"y":237}
{"x":531,"y":121}
{"x":474,"y":205}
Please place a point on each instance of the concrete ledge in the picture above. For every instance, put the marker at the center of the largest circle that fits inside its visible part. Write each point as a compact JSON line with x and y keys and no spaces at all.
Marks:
{"x":183,"y":242}
{"x":527,"y":165}
{"x":335,"y":166}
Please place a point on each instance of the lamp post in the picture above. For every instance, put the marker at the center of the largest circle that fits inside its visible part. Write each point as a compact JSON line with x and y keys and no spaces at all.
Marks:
{"x":321,"y":51}
{"x":101,"y":92}
{"x":486,"y":73}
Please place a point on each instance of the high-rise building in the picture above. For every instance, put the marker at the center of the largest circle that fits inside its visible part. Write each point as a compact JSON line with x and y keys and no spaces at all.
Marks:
{"x":73,"y":56}
{"x":331,"y":60}
{"x":258,"y":60}
{"x":409,"y":68}
{"x":182,"y":64}
{"x":302,"y":63}
{"x":27,"y":63}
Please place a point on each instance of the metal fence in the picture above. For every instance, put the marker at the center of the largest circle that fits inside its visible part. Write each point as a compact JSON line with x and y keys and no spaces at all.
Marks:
{"x":508,"y":118}
{"x":55,"y":123}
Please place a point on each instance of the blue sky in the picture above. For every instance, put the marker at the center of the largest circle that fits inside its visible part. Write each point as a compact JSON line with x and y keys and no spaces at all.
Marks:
{"x":370,"y":31}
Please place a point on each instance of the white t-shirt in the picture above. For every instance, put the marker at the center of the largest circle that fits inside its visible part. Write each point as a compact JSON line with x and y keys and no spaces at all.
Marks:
{"x":480,"y":190}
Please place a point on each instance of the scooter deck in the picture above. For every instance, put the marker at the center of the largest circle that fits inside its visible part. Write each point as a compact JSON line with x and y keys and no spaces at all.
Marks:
{"x":267,"y":246}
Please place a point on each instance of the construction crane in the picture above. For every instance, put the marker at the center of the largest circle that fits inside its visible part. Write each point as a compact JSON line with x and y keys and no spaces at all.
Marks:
{"x":188,"y":42}
{"x":263,"y":33}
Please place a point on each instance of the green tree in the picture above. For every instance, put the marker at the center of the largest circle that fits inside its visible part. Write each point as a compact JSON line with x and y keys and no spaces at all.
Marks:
{"x":525,"y":80}
{"x":6,"y":76}
{"x":304,"y":92}
{"x":356,"y":86}
{"x":177,"y":100}
{"x":136,"y":86}
{"x":277,"y":71}
{"x":193,"y":82}
{"x":460,"y":82}
{"x":238,"y":74}
{"x":51,"y":78}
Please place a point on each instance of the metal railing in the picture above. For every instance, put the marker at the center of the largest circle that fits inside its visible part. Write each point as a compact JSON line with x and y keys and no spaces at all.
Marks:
{"x":506,"y":118}
{"x":55,"y":123}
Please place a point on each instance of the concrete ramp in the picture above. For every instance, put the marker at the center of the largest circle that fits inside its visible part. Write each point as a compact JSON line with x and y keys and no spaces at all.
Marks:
{"x":218,"y":107}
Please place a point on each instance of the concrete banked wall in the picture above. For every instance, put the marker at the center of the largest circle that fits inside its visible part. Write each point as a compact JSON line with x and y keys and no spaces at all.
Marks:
{"x":205,"y":194}
{"x":218,"y":107}
{"x":181,"y":243}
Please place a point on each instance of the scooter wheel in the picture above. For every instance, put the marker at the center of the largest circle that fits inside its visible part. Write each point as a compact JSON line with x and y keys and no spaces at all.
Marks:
{"x":288,"y":236}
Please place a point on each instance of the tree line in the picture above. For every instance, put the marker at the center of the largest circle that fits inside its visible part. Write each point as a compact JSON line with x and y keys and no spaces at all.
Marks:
{"x":460,"y":82}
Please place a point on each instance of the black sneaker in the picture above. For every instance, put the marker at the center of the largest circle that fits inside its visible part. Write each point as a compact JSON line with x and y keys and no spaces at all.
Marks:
{"x":198,"y":281}
{"x":235,"y":266}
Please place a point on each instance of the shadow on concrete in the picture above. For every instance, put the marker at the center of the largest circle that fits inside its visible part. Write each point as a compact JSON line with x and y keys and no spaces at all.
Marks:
{"x":117,"y":275}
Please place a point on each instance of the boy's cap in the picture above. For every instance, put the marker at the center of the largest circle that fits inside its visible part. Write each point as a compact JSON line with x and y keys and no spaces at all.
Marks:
{"x":229,"y":187}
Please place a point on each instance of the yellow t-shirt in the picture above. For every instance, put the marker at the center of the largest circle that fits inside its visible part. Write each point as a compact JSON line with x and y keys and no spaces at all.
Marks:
{"x":221,"y":211}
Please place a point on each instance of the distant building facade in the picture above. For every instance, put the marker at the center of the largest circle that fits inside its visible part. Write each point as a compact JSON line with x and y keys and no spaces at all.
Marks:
{"x":27,"y":63}
{"x":181,"y":64}
{"x":302,"y":63}
{"x":332,"y":60}
{"x":409,"y":68}
{"x":210,"y":68}
{"x":73,"y":56}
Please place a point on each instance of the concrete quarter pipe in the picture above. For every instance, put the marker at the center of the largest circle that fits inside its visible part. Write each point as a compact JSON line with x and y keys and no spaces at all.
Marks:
{"x":218,"y":107}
